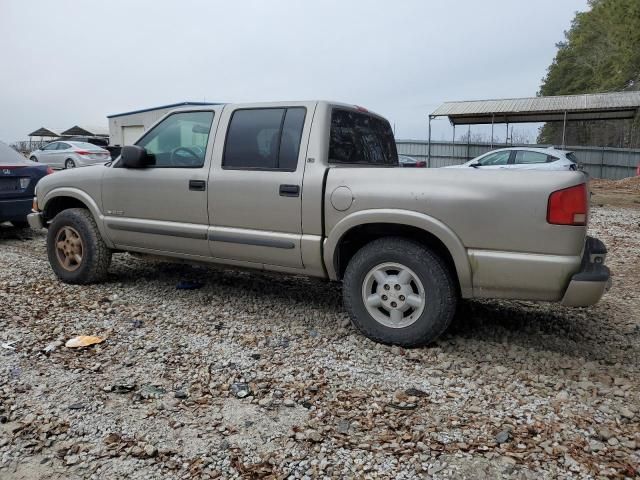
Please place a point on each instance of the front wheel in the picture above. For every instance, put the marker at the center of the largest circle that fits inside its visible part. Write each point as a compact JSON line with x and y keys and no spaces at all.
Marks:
{"x":33,"y":159}
{"x":76,"y":251}
{"x":399,"y":292}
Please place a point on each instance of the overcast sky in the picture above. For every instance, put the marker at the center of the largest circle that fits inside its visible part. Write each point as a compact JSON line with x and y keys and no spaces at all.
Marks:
{"x":68,"y":62}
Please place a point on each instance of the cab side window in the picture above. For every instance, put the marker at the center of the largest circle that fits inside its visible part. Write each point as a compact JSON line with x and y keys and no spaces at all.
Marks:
{"x":528,"y":157}
{"x":179,"y":141}
{"x":497,"y":158}
{"x":264,"y":139}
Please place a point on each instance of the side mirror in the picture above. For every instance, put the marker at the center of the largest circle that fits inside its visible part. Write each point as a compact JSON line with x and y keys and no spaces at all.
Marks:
{"x":133,"y":156}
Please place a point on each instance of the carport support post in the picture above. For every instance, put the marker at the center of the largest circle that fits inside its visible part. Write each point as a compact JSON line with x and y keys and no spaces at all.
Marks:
{"x":564,"y":127}
{"x":506,"y":137}
{"x":468,"y":140}
{"x":453,"y":142}
{"x":493,"y":117}
{"x":429,"y":144}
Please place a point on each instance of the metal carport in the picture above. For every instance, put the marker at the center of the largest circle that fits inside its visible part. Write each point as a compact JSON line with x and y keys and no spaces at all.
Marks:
{"x":563,"y":108}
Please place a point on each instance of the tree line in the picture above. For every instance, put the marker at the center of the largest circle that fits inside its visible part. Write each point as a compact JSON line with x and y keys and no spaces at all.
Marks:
{"x":600,"y":53}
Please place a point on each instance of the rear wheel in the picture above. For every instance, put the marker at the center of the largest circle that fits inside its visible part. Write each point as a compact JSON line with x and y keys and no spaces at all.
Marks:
{"x":399,"y":292}
{"x":69,"y":163}
{"x":76,"y":251}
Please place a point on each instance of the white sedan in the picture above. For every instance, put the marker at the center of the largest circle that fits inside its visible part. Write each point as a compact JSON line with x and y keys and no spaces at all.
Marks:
{"x":67,"y":154}
{"x":523,"y":158}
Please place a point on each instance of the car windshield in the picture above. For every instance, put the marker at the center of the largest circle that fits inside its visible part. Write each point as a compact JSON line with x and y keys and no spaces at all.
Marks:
{"x":9,"y":155}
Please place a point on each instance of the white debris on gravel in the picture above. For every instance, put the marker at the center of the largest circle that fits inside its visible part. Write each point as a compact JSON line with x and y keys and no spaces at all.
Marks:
{"x":255,"y":375}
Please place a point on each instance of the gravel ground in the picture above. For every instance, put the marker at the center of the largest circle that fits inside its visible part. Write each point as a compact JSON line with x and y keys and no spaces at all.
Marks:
{"x":257,"y":375}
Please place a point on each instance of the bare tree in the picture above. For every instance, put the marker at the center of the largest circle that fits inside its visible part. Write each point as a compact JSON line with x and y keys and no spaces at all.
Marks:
{"x":475,"y":137}
{"x":520,"y":137}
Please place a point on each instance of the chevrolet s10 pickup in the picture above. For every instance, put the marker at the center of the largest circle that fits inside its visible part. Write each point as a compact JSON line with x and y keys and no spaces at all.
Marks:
{"x":313,"y":188}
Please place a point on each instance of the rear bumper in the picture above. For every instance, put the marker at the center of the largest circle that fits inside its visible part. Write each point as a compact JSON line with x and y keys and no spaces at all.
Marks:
{"x":35,"y":220}
{"x":15,"y":209}
{"x":593,"y":280}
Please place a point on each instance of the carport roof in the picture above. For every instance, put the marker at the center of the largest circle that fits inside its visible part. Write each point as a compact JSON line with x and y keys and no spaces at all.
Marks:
{"x":45,"y":132}
{"x":86,"y":131}
{"x":594,"y":106}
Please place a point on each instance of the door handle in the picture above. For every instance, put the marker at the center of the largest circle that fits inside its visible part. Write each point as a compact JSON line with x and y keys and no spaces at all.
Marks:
{"x":197,"y":185}
{"x":289,"y":190}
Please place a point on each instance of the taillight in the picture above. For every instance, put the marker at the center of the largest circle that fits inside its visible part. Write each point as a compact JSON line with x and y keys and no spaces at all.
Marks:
{"x":568,"y":206}
{"x":421,"y":164}
{"x":49,"y":170}
{"x":83,"y":152}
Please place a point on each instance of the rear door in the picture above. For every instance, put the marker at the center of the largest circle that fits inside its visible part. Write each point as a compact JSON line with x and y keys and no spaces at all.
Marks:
{"x":255,"y":189}
{"x":62,"y":153}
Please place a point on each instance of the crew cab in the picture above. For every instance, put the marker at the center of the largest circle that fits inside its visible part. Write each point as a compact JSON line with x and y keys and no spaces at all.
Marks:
{"x":312,"y":188}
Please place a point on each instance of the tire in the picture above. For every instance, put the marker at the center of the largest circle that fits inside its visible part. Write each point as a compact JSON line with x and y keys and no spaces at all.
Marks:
{"x":20,"y":223}
{"x":95,"y":256}
{"x":68,"y":163}
{"x":431,"y":281}
{"x":33,"y":159}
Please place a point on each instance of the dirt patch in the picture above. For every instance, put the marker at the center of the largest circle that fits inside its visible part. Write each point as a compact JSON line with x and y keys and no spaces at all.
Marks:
{"x":620,"y":193}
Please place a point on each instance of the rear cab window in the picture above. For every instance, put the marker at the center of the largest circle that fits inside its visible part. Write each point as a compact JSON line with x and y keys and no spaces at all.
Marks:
{"x":361,"y":138}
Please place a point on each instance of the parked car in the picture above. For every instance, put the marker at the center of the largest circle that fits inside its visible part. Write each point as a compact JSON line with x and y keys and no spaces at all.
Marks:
{"x":18,"y":178}
{"x":523,"y":158}
{"x":66,"y":154}
{"x":308,"y":188}
{"x":114,"y":150}
{"x":407,"y":161}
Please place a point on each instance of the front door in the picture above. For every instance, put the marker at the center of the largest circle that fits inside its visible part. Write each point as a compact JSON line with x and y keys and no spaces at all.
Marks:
{"x":163,"y":208}
{"x":255,"y":194}
{"x":47,"y":155}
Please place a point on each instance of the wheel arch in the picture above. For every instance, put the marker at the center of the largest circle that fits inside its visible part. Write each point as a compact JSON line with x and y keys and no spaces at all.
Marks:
{"x":358,"y":229}
{"x":57,"y":200}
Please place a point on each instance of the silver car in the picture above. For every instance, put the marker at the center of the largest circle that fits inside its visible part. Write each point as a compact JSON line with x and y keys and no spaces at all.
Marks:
{"x":62,"y":154}
{"x":523,"y":158}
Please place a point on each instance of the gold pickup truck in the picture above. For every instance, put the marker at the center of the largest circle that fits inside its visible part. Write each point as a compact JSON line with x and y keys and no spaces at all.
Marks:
{"x":313,"y":188}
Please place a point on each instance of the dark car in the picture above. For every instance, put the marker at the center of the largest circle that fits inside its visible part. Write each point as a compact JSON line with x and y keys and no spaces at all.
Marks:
{"x":407,"y":161}
{"x":18,"y":179}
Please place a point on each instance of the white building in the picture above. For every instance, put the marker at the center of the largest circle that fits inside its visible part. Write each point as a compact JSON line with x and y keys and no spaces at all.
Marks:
{"x":126,"y":128}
